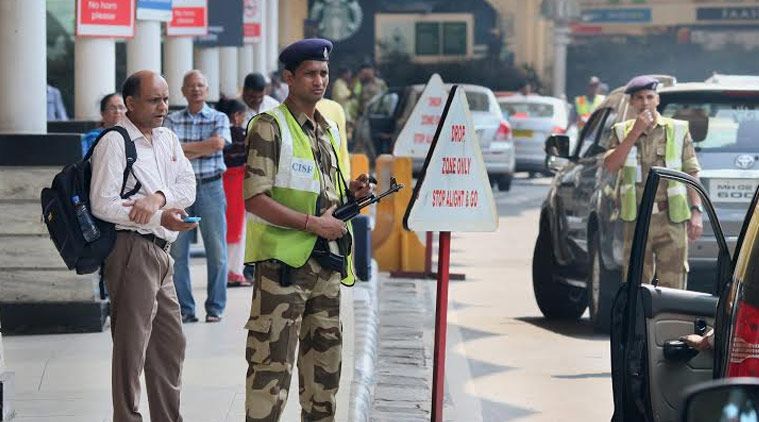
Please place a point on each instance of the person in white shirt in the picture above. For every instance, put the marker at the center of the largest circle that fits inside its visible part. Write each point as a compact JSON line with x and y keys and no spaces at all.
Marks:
{"x":254,"y":96}
{"x":146,"y":325}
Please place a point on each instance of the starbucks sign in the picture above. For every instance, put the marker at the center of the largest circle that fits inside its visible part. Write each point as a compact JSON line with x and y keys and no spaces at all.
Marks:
{"x":336,"y":20}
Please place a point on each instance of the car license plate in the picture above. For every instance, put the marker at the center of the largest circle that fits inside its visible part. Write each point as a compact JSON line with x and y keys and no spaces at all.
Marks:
{"x":522,"y":133}
{"x":732,"y":190}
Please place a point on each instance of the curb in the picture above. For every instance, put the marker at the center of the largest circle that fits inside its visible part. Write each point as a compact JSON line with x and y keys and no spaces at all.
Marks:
{"x":366,"y":329}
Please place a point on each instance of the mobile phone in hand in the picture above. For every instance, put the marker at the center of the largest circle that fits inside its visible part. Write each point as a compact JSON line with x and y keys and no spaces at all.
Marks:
{"x":191,"y":219}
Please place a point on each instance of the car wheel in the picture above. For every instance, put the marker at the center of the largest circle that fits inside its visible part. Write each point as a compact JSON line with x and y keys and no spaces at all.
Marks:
{"x":504,"y":182}
{"x":602,"y":284}
{"x":555,"y":299}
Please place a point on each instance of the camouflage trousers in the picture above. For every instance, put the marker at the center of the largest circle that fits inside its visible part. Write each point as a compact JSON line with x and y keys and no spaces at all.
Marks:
{"x":666,"y":251}
{"x":280,"y":317}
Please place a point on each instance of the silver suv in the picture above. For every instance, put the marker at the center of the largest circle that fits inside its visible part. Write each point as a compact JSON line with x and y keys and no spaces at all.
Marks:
{"x":578,"y":254}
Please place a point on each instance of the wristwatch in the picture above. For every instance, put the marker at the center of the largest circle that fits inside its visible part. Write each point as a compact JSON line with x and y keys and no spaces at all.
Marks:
{"x":698,"y":208}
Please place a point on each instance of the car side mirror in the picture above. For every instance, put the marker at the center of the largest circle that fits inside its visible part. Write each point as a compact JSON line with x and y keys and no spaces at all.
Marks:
{"x":734,"y":399}
{"x":557,"y":146}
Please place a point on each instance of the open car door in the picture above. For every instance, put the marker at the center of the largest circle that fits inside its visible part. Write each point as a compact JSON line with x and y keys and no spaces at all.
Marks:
{"x":651,"y":367}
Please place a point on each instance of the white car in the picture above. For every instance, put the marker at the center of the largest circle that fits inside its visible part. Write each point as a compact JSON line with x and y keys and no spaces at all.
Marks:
{"x":534,"y":118}
{"x":388,"y":112}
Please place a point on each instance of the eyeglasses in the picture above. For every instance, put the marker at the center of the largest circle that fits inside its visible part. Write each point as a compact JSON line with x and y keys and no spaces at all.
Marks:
{"x":115,"y":109}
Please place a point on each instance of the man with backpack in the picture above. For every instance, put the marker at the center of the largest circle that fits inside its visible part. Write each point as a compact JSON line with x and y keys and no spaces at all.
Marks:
{"x":146,"y":324}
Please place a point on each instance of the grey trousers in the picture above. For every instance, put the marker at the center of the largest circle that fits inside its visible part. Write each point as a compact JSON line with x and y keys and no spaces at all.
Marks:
{"x":146,"y":328}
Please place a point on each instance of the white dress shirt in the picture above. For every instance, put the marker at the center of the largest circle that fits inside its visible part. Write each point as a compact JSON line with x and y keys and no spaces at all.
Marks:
{"x":267,"y":104}
{"x":161,"y":166}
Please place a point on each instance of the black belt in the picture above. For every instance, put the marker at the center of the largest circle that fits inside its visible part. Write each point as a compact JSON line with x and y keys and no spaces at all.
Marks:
{"x":161,"y":243}
{"x":208,"y":179}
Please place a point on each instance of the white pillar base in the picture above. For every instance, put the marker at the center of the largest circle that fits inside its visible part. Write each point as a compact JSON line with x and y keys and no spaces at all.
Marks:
{"x":177,"y":56}
{"x":94,"y":75}
{"x":207,"y":61}
{"x":259,"y":58}
{"x":244,"y":63}
{"x":144,"y":50}
{"x":228,"y":85}
{"x":23,"y":67}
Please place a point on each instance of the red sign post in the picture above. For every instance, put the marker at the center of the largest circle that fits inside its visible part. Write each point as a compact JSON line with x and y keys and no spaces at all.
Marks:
{"x":441,"y":325}
{"x":453,"y":194}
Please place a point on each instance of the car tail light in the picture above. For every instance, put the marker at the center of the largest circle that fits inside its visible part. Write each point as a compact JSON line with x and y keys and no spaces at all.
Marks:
{"x":558,"y":130}
{"x":503,"y":134}
{"x":743,"y":357}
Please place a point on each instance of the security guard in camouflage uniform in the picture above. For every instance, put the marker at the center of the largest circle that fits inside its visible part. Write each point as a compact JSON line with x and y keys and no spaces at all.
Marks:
{"x":636,"y":146}
{"x":292,"y":185}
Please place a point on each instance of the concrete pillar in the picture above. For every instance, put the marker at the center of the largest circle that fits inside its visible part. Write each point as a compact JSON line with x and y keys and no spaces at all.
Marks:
{"x":244,"y":64}
{"x":207,"y":61}
{"x":560,"y":41}
{"x":260,"y":54}
{"x":228,"y":71}
{"x":23,"y":66}
{"x":272,"y":34}
{"x":94,"y":75}
{"x":144,"y":50}
{"x":177,"y":60}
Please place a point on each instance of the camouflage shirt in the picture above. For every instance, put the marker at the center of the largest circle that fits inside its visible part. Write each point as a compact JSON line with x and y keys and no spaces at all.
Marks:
{"x":651,"y":149}
{"x":263,"y":144}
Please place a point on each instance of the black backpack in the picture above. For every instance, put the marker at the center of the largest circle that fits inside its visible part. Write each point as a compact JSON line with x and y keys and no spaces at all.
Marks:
{"x":60,"y":217}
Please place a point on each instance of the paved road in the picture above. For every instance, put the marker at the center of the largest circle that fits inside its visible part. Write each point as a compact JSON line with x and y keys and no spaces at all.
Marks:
{"x":505,"y":362}
{"x":521,"y":366}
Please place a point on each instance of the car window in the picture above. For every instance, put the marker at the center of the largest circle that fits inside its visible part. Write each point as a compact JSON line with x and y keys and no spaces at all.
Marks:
{"x":385,"y":105}
{"x":719,"y":124}
{"x":590,"y":132}
{"x":526,"y":110}
{"x":478,"y":101}
{"x":605,"y":138}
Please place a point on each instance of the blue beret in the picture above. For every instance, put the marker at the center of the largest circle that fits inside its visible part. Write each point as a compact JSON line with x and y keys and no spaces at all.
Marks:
{"x":639,"y":83}
{"x":308,"y":49}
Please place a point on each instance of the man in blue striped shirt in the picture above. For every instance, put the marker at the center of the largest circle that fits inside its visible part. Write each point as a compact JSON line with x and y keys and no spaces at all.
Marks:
{"x":203,"y":133}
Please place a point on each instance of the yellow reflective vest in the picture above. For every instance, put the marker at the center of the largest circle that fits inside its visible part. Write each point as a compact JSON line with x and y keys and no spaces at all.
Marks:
{"x":297,"y":185}
{"x":584,"y":107}
{"x":631,"y":172}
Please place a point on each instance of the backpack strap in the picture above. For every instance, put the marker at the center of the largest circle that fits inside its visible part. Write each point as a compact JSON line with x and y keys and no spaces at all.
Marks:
{"x":131,"y":157}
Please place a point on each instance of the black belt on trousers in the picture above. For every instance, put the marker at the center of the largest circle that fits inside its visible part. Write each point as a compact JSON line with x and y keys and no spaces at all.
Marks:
{"x":208,"y":179}
{"x":161,"y":243}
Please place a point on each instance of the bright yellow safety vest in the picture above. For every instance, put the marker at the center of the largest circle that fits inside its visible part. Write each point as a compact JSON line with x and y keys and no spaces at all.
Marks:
{"x":631,"y":172}
{"x":584,"y":108}
{"x":297,"y":185}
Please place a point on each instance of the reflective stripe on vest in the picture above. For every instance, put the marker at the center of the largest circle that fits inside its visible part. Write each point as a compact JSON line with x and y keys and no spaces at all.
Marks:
{"x":297,"y":185}
{"x":584,"y":108}
{"x":631,"y":172}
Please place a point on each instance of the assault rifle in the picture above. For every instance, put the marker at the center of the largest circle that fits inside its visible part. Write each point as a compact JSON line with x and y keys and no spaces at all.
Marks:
{"x":353,"y":207}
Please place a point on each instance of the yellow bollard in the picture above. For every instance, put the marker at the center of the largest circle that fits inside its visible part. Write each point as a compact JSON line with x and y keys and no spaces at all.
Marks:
{"x":412,"y":250}
{"x":395,"y":248}
{"x":385,"y":236}
{"x":360,"y":165}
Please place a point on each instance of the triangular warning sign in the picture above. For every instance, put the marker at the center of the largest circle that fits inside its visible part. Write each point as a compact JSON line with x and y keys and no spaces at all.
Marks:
{"x":453,"y":192}
{"x":416,"y":136}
